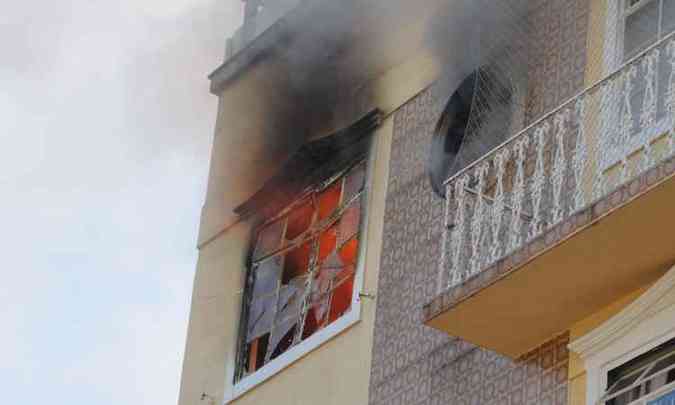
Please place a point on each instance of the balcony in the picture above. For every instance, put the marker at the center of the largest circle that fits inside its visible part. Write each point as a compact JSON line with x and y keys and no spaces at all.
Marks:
{"x":566,"y":216}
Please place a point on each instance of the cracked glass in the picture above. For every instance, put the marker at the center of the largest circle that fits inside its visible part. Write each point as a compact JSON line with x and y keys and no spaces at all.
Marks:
{"x":303,"y":265}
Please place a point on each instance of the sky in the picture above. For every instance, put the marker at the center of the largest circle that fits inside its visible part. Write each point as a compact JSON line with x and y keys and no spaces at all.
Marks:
{"x":106,"y":125}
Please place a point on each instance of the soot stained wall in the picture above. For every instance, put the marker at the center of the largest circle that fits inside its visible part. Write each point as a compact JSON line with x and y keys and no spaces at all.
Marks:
{"x":413,"y":364}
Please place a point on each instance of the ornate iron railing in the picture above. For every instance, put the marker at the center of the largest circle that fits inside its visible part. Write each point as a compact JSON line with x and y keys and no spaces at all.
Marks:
{"x":568,"y":159}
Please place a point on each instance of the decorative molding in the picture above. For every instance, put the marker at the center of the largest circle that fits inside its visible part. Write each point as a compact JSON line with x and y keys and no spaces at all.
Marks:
{"x":641,"y":326}
{"x":656,"y":298}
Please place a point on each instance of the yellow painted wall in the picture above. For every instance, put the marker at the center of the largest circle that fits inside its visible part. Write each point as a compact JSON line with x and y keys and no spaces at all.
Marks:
{"x":246,"y":146}
{"x":242,"y":146}
{"x":595,"y":43}
{"x":595,"y":71}
{"x":215,"y":310}
{"x":577,"y":373}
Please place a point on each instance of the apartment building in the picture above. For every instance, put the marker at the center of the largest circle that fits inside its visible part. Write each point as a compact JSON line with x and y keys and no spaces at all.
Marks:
{"x":446,"y":202}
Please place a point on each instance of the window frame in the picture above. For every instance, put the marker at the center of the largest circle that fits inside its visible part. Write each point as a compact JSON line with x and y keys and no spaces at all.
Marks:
{"x":332,"y":330}
{"x":643,"y":325}
{"x":642,"y":374}
{"x":613,"y":58}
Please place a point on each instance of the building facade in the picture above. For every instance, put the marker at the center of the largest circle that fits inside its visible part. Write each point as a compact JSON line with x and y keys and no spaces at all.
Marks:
{"x":459,"y":202}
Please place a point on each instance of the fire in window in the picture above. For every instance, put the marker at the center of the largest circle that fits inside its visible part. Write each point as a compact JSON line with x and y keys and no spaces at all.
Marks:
{"x":303,"y":259}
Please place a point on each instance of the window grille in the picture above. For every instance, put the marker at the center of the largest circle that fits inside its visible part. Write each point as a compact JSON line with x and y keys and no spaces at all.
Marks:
{"x":646,"y":380}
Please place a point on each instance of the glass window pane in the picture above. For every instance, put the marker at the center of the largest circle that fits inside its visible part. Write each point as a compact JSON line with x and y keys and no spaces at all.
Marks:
{"x":267,"y":275}
{"x":625,"y":382}
{"x":296,"y":262}
{"x":641,"y":29}
{"x":355,"y":181}
{"x":256,"y":353}
{"x":312,"y":324}
{"x":260,"y":316}
{"x":662,"y":364}
{"x":320,"y":311}
{"x":657,"y":382}
{"x":665,"y":399}
{"x":290,"y":298}
{"x":349,"y":252}
{"x":282,"y":338}
{"x":329,"y":199}
{"x":668,"y":19}
{"x":269,"y":239}
{"x":349,"y":223}
{"x":341,"y":300}
{"x":327,"y":242}
{"x":325,"y":279}
{"x":299,"y":220}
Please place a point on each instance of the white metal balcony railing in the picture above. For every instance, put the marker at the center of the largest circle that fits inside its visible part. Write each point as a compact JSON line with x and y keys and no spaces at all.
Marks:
{"x":569,"y":158}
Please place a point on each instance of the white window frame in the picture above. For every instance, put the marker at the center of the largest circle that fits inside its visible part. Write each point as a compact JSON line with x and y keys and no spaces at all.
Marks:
{"x":640,"y":327}
{"x":613,"y":59}
{"x":613,"y":52}
{"x":286,"y":359}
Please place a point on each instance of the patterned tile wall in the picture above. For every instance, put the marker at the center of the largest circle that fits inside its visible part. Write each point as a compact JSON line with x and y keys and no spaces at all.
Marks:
{"x":558,"y":59}
{"x":414,"y":364}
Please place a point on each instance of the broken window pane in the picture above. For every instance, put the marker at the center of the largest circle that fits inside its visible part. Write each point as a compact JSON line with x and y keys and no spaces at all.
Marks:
{"x":327,"y":242}
{"x":349,"y":252}
{"x":269,"y":239}
{"x":260,"y":316}
{"x":349,"y":222}
{"x":341,"y":300}
{"x":328,"y":271}
{"x":324,"y":282}
{"x":354,"y":182}
{"x":267,"y":274}
{"x":277,"y":317}
{"x":332,"y":265}
{"x":641,"y":29}
{"x":329,"y":199}
{"x":290,"y":298}
{"x":281,"y":338}
{"x":299,"y":220}
{"x":296,"y":262}
{"x":320,"y":310}
{"x":311,"y":324}
{"x":256,"y":353}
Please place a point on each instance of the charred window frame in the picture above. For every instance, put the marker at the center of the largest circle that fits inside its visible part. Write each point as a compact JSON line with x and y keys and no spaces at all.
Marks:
{"x":301,"y":270}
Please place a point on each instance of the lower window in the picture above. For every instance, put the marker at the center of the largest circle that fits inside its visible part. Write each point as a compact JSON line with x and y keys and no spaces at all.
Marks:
{"x":648,"y":379}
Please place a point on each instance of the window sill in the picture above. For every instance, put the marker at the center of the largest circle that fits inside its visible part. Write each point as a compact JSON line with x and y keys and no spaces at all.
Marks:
{"x":288,"y":358}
